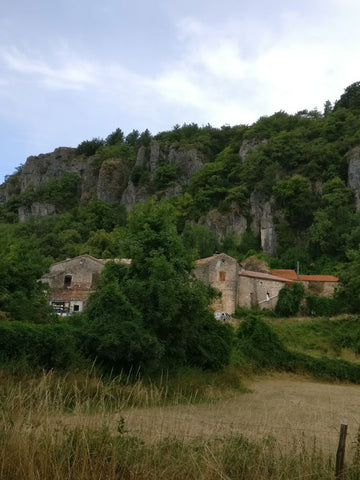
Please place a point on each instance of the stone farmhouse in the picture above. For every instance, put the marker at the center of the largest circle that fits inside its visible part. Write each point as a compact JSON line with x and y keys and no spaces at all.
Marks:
{"x":71,"y":282}
{"x":239,"y":287}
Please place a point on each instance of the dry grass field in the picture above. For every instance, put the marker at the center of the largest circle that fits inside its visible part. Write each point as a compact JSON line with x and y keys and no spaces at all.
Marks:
{"x":285,"y":427}
{"x":288,"y":407}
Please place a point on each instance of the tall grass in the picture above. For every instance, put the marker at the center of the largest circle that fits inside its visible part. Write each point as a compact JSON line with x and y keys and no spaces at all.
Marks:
{"x":56,"y":427}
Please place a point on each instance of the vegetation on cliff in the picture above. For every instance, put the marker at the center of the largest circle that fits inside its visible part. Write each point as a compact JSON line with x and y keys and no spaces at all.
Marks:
{"x":297,"y":163}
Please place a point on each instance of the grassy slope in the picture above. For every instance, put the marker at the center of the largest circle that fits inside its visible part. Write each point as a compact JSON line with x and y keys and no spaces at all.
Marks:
{"x":319,"y":337}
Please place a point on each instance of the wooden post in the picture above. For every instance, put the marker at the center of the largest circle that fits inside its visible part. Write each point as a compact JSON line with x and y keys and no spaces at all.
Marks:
{"x":340,"y":454}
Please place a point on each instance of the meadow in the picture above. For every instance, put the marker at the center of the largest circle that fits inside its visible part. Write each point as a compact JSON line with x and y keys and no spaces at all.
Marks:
{"x":229,"y":425}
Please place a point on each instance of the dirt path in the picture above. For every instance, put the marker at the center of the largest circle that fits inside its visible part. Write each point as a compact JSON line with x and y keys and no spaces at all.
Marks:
{"x":291,"y":409}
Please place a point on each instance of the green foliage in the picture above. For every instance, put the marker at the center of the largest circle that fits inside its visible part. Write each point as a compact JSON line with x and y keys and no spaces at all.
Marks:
{"x":350,"y":98}
{"x":139,"y":175}
{"x":44,"y":346}
{"x":295,"y":197}
{"x":260,"y":344}
{"x":200,"y":238}
{"x":116,"y":137}
{"x":117,"y":150}
{"x":20,"y":293}
{"x":289,"y":300}
{"x":61,"y":192}
{"x":116,"y":335}
{"x":165,"y":175}
{"x":153,"y":312}
{"x":257,"y":342}
{"x":89,"y":147}
{"x":349,"y":291}
{"x":322,"y":306}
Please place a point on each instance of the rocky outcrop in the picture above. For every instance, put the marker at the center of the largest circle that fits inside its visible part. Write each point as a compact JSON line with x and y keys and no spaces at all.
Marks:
{"x":224,"y":224}
{"x":234,"y":222}
{"x":39,"y":169}
{"x":113,"y":179}
{"x":249,"y":145}
{"x":261,"y":212}
{"x":354,"y":174}
{"x":36,"y":209}
{"x":187,"y":163}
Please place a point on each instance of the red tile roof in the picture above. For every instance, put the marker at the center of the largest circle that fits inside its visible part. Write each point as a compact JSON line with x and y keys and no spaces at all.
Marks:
{"x":288,"y":274}
{"x":291,"y":275}
{"x":318,"y":278}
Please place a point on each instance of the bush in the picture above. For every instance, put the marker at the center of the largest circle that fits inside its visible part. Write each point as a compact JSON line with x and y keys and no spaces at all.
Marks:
{"x":260,"y":344}
{"x":322,"y":306}
{"x":89,"y":147}
{"x":38,"y":345}
{"x":289,"y":300}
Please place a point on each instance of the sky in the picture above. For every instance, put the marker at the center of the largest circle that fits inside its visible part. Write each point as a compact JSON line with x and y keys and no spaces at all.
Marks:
{"x":72,"y":70}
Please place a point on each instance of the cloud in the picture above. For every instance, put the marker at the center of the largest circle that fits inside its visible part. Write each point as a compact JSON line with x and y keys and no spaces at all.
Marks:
{"x":66,"y":75}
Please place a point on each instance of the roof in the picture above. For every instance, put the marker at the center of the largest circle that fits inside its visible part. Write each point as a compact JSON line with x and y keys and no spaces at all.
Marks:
{"x":86,"y":255}
{"x":291,"y":275}
{"x":318,"y":278}
{"x":264,"y":276}
{"x":204,"y":261}
{"x":288,"y":274}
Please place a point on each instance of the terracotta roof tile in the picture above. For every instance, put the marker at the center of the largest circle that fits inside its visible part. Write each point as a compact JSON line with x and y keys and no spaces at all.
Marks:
{"x":291,"y":275}
{"x":318,"y":278}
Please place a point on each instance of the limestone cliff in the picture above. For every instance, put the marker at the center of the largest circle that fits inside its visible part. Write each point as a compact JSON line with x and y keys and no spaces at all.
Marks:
{"x":118,"y":180}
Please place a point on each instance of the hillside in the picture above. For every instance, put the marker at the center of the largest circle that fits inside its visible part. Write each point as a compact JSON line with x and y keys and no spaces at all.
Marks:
{"x":286,"y":188}
{"x":285,"y":182}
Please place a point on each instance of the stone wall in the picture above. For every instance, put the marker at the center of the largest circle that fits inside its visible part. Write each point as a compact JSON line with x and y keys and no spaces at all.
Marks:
{"x":258,"y":292}
{"x":221,"y":272}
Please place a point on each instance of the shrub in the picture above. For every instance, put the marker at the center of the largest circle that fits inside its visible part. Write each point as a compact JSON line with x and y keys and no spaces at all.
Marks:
{"x":45,"y":346}
{"x":260,"y":344}
{"x":89,"y":147}
{"x":289,"y":300}
{"x":322,"y":306}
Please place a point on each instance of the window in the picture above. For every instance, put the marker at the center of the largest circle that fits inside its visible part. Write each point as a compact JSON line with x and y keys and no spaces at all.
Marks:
{"x":222,"y":276}
{"x":76,"y":308}
{"x":67,"y":280}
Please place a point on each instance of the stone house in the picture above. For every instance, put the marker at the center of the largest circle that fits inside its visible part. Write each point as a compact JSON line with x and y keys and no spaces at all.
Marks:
{"x":221,"y":272}
{"x":71,"y":282}
{"x":239,"y":287}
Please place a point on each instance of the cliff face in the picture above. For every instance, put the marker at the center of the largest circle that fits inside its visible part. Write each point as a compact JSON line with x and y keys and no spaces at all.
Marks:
{"x":119,"y":180}
{"x":185,"y":163}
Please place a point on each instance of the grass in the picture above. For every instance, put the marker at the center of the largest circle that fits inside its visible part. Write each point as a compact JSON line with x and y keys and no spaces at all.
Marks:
{"x":319,"y":337}
{"x":79,"y":426}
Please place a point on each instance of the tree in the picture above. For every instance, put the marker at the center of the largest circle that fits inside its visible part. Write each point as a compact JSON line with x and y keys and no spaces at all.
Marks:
{"x":157,"y":298}
{"x":116,"y":137}
{"x":289,"y":300}
{"x":350,"y":98}
{"x":89,"y":147}
{"x":295,"y":196}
